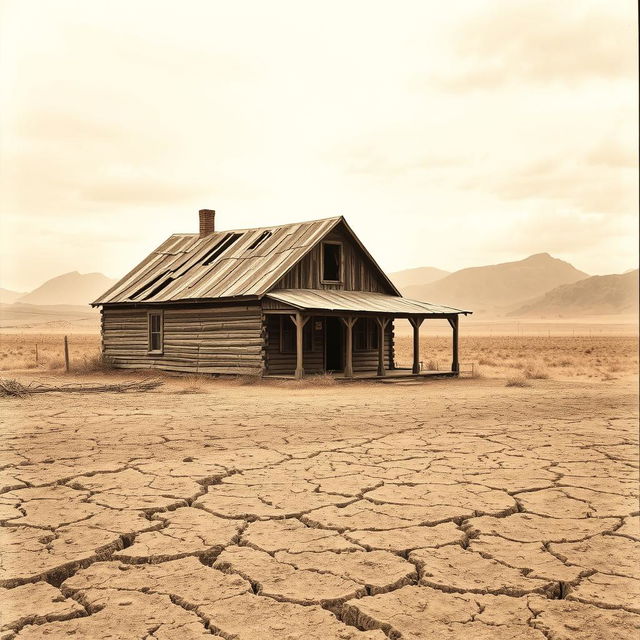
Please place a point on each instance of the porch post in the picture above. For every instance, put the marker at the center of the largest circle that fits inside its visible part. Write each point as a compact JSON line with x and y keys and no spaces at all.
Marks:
{"x":349,"y":321}
{"x":415,"y":323}
{"x":382,"y":325}
{"x":455,"y":365}
{"x":299,"y":320}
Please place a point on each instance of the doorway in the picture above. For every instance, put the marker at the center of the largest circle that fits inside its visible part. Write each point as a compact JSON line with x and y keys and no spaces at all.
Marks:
{"x":333,"y":337}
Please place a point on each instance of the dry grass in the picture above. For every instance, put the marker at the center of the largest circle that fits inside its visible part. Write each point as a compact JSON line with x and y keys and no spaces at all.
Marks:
{"x":517,"y":381}
{"x":18,"y":352}
{"x":536,"y":357}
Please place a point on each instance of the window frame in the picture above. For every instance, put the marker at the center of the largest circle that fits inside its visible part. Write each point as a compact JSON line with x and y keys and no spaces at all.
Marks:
{"x":370,"y":332}
{"x":340,"y":266}
{"x":308,"y":343}
{"x":150,"y":333}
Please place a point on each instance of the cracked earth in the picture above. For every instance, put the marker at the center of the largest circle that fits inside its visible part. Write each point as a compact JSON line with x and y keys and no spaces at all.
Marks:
{"x":450,"y":509}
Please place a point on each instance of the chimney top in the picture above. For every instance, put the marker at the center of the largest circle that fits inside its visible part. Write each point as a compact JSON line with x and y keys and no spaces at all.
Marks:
{"x":207,"y":222}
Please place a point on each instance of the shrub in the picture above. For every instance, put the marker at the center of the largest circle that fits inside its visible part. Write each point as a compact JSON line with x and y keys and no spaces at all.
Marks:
{"x":517,"y":381}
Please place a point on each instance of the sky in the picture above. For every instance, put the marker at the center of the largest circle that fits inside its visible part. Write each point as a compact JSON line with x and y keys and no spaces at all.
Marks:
{"x":449,"y":134}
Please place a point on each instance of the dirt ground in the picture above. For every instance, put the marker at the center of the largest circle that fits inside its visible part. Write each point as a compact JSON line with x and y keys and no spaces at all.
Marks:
{"x":439,"y":509}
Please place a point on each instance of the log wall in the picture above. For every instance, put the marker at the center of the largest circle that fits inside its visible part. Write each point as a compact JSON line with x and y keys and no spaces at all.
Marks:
{"x":225,"y":339}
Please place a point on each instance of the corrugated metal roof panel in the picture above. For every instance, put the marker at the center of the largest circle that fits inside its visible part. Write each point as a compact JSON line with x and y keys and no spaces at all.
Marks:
{"x":176,"y":270}
{"x":358,"y":301}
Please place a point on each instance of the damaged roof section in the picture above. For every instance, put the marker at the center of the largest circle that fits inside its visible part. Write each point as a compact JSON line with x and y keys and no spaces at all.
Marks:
{"x":225,"y":264}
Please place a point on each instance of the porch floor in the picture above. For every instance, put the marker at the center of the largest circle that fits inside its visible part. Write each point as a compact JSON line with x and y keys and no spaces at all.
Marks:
{"x":391,"y":374}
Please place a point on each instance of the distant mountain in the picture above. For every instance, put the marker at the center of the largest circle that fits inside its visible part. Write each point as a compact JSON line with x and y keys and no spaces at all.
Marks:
{"x":597,"y":295}
{"x":419,"y":276}
{"x":69,"y":289}
{"x":500,"y":287}
{"x":7,"y":296}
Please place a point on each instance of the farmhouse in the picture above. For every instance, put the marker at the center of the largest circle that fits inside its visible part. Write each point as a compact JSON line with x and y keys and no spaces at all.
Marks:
{"x":284,"y":301}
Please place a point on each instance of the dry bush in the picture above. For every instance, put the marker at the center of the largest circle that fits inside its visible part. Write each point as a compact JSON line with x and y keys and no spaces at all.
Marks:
{"x":311,"y":381}
{"x":192,"y":384}
{"x":97,"y":363}
{"x":246,"y":380}
{"x":535,"y":371}
{"x":517,"y":381}
{"x":487,"y":362}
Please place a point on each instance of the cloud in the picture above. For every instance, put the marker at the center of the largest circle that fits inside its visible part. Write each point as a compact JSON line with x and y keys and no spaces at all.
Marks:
{"x":603,"y":180}
{"x":541,"y":42}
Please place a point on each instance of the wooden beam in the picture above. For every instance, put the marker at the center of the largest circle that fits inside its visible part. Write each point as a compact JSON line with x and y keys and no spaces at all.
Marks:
{"x":415,"y":323}
{"x":455,"y":364}
{"x":299,"y":320}
{"x":382,"y":325}
{"x":349,"y":321}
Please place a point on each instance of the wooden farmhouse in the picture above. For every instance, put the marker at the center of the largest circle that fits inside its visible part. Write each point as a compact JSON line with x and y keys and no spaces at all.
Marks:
{"x":275,"y":301}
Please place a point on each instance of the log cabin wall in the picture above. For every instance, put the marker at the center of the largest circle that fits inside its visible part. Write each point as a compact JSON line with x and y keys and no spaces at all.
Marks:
{"x":358,"y":272}
{"x":204,"y":339}
{"x":284,"y":364}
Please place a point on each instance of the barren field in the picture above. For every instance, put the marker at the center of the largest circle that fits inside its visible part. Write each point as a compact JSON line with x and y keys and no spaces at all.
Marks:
{"x":458,"y":509}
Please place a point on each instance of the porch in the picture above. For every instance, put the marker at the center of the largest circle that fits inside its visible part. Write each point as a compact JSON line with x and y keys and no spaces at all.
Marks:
{"x":349,"y":334}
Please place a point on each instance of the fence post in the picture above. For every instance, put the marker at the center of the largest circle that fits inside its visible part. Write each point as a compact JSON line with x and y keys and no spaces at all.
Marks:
{"x":66,"y":354}
{"x":36,"y":354}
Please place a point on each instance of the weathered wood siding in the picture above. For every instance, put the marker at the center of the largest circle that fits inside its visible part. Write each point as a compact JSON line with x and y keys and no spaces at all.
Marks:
{"x":358,"y":274}
{"x":282,"y":364}
{"x":204,"y":339}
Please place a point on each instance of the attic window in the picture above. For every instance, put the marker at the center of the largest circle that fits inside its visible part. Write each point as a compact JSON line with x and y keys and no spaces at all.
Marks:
{"x":260,"y":239}
{"x":220,"y":248}
{"x":331,"y":262}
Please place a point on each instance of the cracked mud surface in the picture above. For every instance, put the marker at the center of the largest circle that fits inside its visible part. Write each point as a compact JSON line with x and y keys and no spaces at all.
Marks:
{"x":452,"y":509}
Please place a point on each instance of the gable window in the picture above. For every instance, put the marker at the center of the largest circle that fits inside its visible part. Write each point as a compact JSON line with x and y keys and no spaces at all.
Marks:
{"x":331,"y":263}
{"x":156,"y":331}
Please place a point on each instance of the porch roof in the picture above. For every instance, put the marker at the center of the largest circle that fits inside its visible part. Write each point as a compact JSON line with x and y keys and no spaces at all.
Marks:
{"x":359,"y":302}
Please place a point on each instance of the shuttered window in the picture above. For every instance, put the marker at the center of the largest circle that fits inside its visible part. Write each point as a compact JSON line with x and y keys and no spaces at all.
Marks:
{"x":155,"y":332}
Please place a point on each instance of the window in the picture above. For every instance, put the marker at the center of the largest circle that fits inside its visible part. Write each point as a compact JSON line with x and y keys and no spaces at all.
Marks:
{"x":288,"y":335}
{"x":155,"y":332}
{"x":331,"y":262}
{"x":365,"y":334}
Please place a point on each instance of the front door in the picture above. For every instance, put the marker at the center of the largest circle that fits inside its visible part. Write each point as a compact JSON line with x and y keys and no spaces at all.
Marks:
{"x":333,"y":341}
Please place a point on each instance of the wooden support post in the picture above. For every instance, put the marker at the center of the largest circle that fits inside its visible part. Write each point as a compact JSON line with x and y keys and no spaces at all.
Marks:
{"x":299,"y":320}
{"x":382,"y":325}
{"x":455,"y":364}
{"x":349,"y":321}
{"x":415,"y":323}
{"x":66,"y":354}
{"x":36,"y":354}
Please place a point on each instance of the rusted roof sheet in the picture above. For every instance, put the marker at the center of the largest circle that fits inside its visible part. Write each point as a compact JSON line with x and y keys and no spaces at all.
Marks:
{"x":359,"y":301}
{"x":222,"y":265}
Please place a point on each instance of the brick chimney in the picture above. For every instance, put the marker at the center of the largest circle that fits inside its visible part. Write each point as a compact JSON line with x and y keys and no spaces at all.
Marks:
{"x":207,"y":222}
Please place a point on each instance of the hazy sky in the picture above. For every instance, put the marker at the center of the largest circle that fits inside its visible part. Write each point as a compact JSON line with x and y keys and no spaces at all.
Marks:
{"x":449,"y":134}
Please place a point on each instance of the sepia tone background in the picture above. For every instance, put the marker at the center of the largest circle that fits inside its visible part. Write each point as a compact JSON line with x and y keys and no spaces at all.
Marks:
{"x":450,"y":136}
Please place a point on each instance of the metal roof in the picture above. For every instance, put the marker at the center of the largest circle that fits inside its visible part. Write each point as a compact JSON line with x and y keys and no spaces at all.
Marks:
{"x":358,"y":301}
{"x":225,"y":264}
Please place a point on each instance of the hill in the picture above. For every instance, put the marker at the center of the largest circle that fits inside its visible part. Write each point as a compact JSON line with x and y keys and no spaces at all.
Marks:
{"x":499,"y":287}
{"x":418,"y":276}
{"x":48,"y":318}
{"x":7,"y":296}
{"x":69,"y":289}
{"x":597,"y":295}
